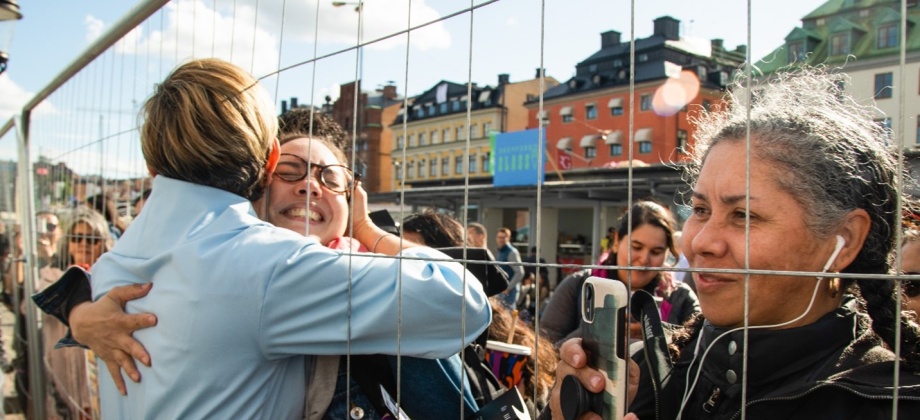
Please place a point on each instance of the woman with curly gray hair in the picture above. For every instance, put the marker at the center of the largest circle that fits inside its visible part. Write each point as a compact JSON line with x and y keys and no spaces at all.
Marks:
{"x":820,"y":196}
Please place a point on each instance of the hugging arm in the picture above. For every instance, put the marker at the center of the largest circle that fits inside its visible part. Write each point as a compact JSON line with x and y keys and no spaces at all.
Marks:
{"x":102,"y":326}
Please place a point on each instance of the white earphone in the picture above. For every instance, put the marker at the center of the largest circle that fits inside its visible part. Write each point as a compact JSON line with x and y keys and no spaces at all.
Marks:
{"x":840,"y":243}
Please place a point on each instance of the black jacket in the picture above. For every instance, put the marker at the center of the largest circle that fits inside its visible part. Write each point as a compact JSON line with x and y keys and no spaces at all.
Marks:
{"x":835,"y":368}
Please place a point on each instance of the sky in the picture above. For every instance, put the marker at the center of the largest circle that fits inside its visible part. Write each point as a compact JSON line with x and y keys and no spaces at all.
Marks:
{"x":500,"y":36}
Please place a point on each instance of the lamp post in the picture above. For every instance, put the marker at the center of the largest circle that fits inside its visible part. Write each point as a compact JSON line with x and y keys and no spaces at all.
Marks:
{"x":9,"y":14}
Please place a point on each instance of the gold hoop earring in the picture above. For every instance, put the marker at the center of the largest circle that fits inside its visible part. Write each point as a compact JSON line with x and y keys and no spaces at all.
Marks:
{"x":833,"y":286}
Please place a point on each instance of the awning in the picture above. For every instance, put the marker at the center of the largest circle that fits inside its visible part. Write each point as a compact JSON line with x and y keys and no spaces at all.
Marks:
{"x":566,"y":110}
{"x":484,"y":96}
{"x":589,"y":140}
{"x":564,"y":143}
{"x":615,"y":103}
{"x":644,"y":134}
{"x":614,"y":137}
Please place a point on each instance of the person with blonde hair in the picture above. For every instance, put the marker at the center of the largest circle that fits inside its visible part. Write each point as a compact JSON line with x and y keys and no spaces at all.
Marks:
{"x":239,"y":301}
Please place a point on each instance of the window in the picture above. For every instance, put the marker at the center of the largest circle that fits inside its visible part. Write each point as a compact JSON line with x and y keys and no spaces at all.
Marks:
{"x":645,"y":103}
{"x":456,"y":106}
{"x":399,"y":142}
{"x":445,"y":166}
{"x":410,"y":171}
{"x":645,"y":147}
{"x":590,"y":152}
{"x":840,"y":44}
{"x":567,"y":118}
{"x":434,"y":137}
{"x":431,"y":110}
{"x":616,"y":110}
{"x":419,"y":112}
{"x":445,"y":135}
{"x":421,"y":139}
{"x":474,"y":131}
{"x":887,"y":37}
{"x":681,"y":141}
{"x":486,"y":158}
{"x":422,"y":168}
{"x":459,"y":135}
{"x":397,"y":170}
{"x":883,"y":83}
{"x":458,"y":165}
{"x":486,"y":128}
{"x":707,"y":105}
{"x":411,"y":140}
{"x":642,"y":58}
{"x":443,"y":107}
{"x":616,"y":149}
{"x":433,"y":167}
{"x":591,"y":111}
{"x":472,"y":163}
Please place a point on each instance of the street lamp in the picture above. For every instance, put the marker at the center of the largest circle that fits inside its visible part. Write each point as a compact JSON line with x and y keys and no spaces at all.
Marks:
{"x":357,"y":4}
{"x":9,"y":14}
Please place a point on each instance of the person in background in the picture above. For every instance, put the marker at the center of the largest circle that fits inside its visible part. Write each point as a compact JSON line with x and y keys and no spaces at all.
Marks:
{"x":105,"y":205}
{"x":431,"y":227}
{"x":647,"y":241}
{"x":477,"y":236}
{"x":534,"y":270}
{"x":508,"y":253}
{"x":820,"y":195}
{"x":138,"y":203}
{"x":910,"y":264}
{"x":73,"y":395}
{"x":48,"y":232}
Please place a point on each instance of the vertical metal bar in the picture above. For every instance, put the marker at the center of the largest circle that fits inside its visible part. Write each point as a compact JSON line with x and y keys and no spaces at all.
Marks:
{"x":36,"y":374}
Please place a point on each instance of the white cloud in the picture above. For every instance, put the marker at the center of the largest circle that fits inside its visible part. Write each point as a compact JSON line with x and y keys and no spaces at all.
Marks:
{"x":13,"y":98}
{"x":94,"y":27}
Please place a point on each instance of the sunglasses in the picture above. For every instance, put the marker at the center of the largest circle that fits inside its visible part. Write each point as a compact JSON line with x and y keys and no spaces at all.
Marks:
{"x":336,"y":178}
{"x":91,"y":240}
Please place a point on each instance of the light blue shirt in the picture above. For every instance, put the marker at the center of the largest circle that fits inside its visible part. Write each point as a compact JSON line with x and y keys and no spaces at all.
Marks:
{"x":239,"y":302}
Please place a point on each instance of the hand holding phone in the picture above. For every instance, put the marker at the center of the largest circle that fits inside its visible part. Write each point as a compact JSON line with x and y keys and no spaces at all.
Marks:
{"x":603,"y":328}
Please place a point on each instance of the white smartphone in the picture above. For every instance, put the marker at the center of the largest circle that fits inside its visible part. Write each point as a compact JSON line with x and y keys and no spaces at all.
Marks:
{"x":604,"y":331}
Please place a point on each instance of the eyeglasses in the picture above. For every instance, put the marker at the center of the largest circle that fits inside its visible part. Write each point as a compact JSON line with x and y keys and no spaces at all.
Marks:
{"x":91,"y":240}
{"x":337,"y":178}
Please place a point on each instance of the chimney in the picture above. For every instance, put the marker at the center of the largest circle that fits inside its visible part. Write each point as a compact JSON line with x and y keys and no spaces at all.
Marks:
{"x":610,"y":39}
{"x":503,"y":79}
{"x":741,"y":49}
{"x":540,"y":72}
{"x":293,"y":102}
{"x":667,"y":27}
{"x":389,"y":91}
{"x":284,"y":108}
{"x":716,"y":44}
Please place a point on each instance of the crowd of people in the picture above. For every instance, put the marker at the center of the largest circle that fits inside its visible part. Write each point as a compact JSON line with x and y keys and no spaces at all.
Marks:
{"x":265,"y":295}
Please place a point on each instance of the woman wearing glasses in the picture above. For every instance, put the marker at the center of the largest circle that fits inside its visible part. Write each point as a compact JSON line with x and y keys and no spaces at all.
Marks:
{"x":86,"y":237}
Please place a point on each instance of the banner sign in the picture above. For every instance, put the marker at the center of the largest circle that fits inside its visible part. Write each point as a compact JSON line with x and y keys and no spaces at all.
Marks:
{"x":515,"y":158}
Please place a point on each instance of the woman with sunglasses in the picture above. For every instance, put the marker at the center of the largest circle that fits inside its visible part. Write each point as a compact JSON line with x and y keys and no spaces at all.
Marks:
{"x":87,"y":235}
{"x":86,"y":238}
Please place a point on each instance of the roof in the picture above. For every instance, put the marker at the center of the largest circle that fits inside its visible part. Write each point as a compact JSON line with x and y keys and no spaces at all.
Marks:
{"x":862,"y":18}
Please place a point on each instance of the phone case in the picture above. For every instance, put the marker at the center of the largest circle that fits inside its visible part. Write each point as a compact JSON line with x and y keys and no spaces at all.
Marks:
{"x":603,"y":323}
